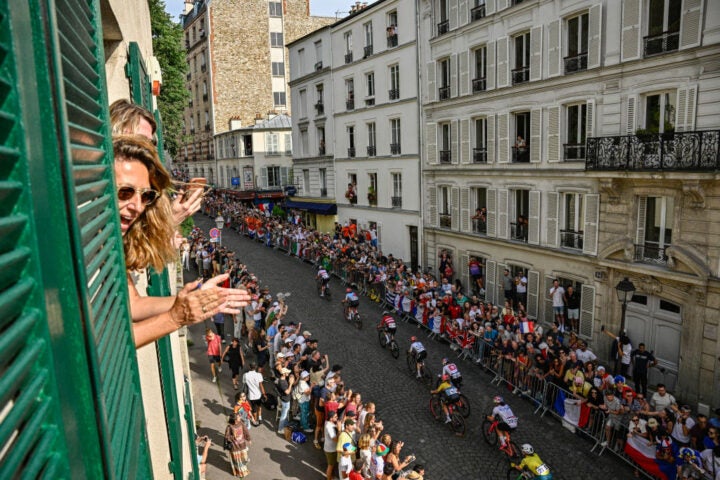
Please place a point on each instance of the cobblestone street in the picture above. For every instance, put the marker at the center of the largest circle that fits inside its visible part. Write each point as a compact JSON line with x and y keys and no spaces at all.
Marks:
{"x":402,"y":401}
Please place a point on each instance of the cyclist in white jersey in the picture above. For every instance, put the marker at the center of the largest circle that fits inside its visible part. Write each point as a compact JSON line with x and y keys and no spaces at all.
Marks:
{"x":451,"y":370}
{"x":418,"y":350}
{"x":508,"y":421}
{"x":324,"y":276}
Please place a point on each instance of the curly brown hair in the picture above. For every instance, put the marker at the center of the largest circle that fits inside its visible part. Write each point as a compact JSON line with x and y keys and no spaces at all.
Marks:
{"x":148,"y":241}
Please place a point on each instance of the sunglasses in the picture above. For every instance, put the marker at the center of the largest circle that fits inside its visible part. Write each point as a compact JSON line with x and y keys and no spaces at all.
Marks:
{"x":147,"y":195}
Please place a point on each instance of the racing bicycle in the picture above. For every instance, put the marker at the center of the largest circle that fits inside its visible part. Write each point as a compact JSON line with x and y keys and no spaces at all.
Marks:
{"x":425,"y":373}
{"x":490,"y":434}
{"x":388,"y":340}
{"x":457,"y":421}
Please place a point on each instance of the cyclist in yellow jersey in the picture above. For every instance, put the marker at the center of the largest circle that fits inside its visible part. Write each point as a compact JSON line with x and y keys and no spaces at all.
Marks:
{"x":448,"y":394}
{"x":533,"y":463}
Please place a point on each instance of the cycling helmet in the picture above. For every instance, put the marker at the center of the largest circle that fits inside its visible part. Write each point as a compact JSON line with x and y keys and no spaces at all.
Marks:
{"x":527,"y":449}
{"x":498,"y":399}
{"x":445,"y":377}
{"x":413,"y":338}
{"x":348,"y":290}
{"x":386,"y":313}
{"x":445,"y":360}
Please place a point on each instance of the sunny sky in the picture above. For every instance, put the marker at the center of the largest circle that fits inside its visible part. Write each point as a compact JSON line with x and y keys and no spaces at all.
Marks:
{"x":325,"y":8}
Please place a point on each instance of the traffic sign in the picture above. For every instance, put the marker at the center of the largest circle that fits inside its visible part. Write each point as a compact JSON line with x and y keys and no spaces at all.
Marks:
{"x":214,"y":233}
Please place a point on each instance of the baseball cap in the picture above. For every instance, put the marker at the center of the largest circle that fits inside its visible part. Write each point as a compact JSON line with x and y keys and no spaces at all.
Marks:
{"x":280,"y":355}
{"x":285,"y":371}
{"x":381,"y":450}
{"x":349,"y":447}
{"x":652,"y":422}
{"x":307,"y":334}
{"x":600,"y":368}
{"x":304,"y":374}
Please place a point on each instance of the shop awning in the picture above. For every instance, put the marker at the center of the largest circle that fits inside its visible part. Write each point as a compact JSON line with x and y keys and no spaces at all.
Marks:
{"x":319,"y":208}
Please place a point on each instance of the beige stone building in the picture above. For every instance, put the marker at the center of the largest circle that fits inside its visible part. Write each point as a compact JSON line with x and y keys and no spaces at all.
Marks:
{"x":238,"y":68}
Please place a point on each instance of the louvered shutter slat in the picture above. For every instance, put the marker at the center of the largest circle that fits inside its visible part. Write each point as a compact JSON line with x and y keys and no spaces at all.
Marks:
{"x":532,"y":290}
{"x":587,"y":310}
{"x":552,"y":219}
{"x":491,"y":212}
{"x":630,"y":36}
{"x":534,"y":218}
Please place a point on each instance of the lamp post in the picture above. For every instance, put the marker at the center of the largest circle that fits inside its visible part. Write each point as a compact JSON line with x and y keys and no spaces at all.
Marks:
{"x":625,"y":290}
{"x":220,"y":223}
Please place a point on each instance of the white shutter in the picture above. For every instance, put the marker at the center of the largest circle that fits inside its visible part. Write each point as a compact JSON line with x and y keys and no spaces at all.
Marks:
{"x":631,"y":115}
{"x":465,"y":209}
{"x":465,"y":154}
{"x":491,"y":212}
{"x":454,"y":154}
{"x":454,"y":208}
{"x":535,"y":135}
{"x":490,"y":125}
{"x":534,"y":218}
{"x":284,"y":176}
{"x":499,"y":274}
{"x":463,"y":12}
{"x":490,"y":65}
{"x":453,"y":20}
{"x":431,"y":143}
{"x":378,"y":228}
{"x":554,"y":48}
{"x":631,"y":14}
{"x":681,"y":107}
{"x":548,"y":314}
{"x":685,"y":110}
{"x":691,"y":23}
{"x":453,"y":75}
{"x":590,"y":231}
{"x":431,"y":81}
{"x":489,"y":7}
{"x":594,"y":57}
{"x":502,"y":213}
{"x":641,"y":215}
{"x":464,"y":271}
{"x":503,"y":133}
{"x":552,"y":219}
{"x":553,"y":135}
{"x":590,"y":118}
{"x":503,"y":73}
{"x":536,"y":48}
{"x":533,"y":288}
{"x":690,"y":112}
{"x":587,"y":310}
{"x":501,"y":4}
{"x":490,"y":281}
{"x":432,"y":206}
{"x":264,"y":177}
{"x":464,"y":73}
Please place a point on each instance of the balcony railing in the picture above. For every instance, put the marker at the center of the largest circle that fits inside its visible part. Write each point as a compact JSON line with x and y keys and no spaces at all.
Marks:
{"x":518,"y":231}
{"x":480,"y":155}
{"x":321,"y":151}
{"x":323,"y":192}
{"x":369,"y":102}
{"x":352,"y":200}
{"x":571,"y":239}
{"x":576,"y":63}
{"x":444,"y":93}
{"x":349,"y":104}
{"x":650,"y":252}
{"x":574,"y":152}
{"x":520,"y":75}
{"x":248,"y":152}
{"x":320,"y":108}
{"x":371,"y":150}
{"x":351,"y":152}
{"x":394,"y":149}
{"x":443,"y":27}
{"x":394,"y":93}
{"x":445,"y":156}
{"x":663,"y":43}
{"x":445,"y":220}
{"x":392,"y":41}
{"x":396,"y":202}
{"x":348,"y":57}
{"x":477,"y":13}
{"x":680,"y":151}
{"x":367,"y":51}
{"x":318,"y":66}
{"x":480,"y":226}
{"x":479,"y":84}
{"x":520,"y":154}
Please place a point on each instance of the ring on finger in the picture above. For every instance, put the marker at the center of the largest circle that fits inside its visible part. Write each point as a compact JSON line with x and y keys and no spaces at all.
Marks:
{"x":204,"y":310}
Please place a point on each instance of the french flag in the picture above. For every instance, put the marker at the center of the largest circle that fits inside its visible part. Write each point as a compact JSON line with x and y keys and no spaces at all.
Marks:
{"x":640,"y":452}
{"x":527,"y":327}
{"x":574,"y":412}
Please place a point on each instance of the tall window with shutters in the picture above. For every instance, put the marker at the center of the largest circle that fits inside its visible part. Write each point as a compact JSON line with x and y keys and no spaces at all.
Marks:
{"x":519,"y":213}
{"x":659,"y":112}
{"x":572,"y":219}
{"x":577,"y":44}
{"x":444,"y":80}
{"x":575,"y":132}
{"x":654,"y":229}
{"x":480,"y":140}
{"x":479,"y":83}
{"x":444,"y":211}
{"x":521,"y":50}
{"x":663,"y":32}
{"x":395,"y":136}
{"x":521,"y":137}
{"x":445,"y":143}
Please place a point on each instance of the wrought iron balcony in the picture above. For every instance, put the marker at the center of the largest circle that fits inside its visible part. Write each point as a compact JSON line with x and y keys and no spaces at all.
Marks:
{"x":521,"y":154}
{"x":396,"y":202}
{"x":679,"y":151}
{"x":518,"y":231}
{"x":574,"y":152}
{"x":520,"y":75}
{"x":371,"y":150}
{"x":369,"y":102}
{"x":318,"y":66}
{"x":248,"y":152}
{"x":480,"y":226}
{"x":477,"y":13}
{"x":445,"y":220}
{"x":321,"y":151}
{"x":480,"y":155}
{"x":392,"y":41}
{"x":650,"y":252}
{"x":445,"y":156}
{"x":348,"y":57}
{"x":443,"y":27}
{"x":350,"y":104}
{"x":394,"y":149}
{"x":394,"y":93}
{"x":320,"y":108}
{"x":663,"y":43}
{"x":367,"y":51}
{"x":479,"y":84}
{"x":351,"y":152}
{"x":576,"y":63}
{"x":571,"y":239}
{"x":444,"y":93}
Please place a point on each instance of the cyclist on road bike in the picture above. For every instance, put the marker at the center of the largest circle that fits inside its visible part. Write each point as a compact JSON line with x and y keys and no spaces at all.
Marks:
{"x":324,"y":277}
{"x":507,"y":420}
{"x":452,"y":371}
{"x":351,"y":302}
{"x":388,"y":325}
{"x":532,"y":461}
{"x":417,"y":349}
{"x":448,"y":394}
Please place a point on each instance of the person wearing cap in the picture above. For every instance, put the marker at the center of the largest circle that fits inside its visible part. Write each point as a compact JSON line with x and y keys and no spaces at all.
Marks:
{"x":345,"y":464}
{"x":303,"y":398}
{"x":377,"y":463}
{"x":345,"y":437}
{"x":285,"y":385}
{"x":603,"y":380}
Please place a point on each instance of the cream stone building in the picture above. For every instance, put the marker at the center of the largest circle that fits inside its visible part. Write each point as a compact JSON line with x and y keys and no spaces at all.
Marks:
{"x":589,"y":133}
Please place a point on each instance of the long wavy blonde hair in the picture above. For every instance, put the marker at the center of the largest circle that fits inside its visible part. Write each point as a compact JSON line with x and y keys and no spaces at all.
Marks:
{"x":125,"y":118}
{"x":148,"y":241}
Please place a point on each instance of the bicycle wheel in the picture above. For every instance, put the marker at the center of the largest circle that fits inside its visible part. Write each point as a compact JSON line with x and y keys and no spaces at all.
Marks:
{"x":427,"y":376}
{"x":358,"y":321}
{"x":382,"y":338}
{"x":411,"y":364}
{"x":514,"y":452}
{"x":435,"y":408}
{"x":490,"y":437}
{"x":514,"y":474}
{"x":463,"y":406}
{"x":394,"y":349}
{"x":457,"y":422}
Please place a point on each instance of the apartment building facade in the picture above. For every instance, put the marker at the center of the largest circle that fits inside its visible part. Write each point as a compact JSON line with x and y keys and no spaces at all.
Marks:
{"x":369,"y":133}
{"x":579,"y":141}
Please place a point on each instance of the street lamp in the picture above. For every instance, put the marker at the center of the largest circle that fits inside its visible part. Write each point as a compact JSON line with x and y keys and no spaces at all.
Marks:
{"x":220,"y":223}
{"x":625,"y":290}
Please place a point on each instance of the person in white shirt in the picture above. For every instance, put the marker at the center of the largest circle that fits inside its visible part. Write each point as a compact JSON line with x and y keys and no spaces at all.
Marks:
{"x":557,"y":294}
{"x":507,"y":419}
{"x":418,"y":350}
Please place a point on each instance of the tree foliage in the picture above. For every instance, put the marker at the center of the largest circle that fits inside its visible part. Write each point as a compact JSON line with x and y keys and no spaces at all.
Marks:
{"x":168,"y":48}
